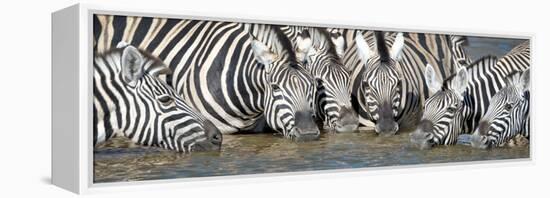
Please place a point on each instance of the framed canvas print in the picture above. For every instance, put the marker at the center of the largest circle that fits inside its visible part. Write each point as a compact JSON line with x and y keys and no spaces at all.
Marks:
{"x":152,"y":96}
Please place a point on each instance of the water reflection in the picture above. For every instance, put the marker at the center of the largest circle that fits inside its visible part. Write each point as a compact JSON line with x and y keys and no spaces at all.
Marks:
{"x":120,"y":160}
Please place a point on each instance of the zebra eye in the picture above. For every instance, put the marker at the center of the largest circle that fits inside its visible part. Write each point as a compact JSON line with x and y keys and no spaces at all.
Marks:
{"x":166,"y":100}
{"x":366,"y":84}
{"x":508,"y":106}
{"x":275,"y":87}
{"x":451,"y":109}
{"x":398,"y":84}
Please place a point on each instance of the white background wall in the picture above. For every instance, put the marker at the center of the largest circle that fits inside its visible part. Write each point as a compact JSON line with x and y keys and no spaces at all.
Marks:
{"x":25,"y":98}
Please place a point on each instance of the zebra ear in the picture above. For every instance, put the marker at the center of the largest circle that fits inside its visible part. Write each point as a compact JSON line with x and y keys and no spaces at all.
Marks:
{"x":524,"y":81}
{"x":339,"y":43}
{"x":363,"y":49}
{"x":132,"y":65}
{"x":397,"y":47}
{"x":460,"y":82}
{"x":431,"y":81}
{"x":263,"y":54}
{"x":304,"y":44}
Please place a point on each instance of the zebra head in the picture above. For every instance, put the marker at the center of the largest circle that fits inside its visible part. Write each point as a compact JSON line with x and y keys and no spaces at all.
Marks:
{"x":507,"y":114}
{"x":321,"y":52}
{"x":442,"y":119}
{"x":131,"y":99}
{"x":380,"y":89}
{"x":289,"y":90}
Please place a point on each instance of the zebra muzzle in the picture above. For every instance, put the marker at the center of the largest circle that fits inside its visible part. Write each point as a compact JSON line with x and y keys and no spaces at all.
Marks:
{"x":386,"y":127}
{"x":213,"y":139}
{"x":479,"y":141}
{"x":348,"y":121}
{"x":305,"y":135}
{"x":305,"y":129}
{"x":422,"y":140}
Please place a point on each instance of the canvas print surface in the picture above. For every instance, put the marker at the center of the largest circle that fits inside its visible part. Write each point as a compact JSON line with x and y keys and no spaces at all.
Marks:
{"x":179,"y":98}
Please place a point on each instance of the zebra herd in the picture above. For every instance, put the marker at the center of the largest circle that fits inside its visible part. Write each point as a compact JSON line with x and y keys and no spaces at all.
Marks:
{"x":180,"y":84}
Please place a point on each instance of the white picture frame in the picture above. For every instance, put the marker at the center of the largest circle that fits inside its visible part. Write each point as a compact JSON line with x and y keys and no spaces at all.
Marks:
{"x":72,"y":149}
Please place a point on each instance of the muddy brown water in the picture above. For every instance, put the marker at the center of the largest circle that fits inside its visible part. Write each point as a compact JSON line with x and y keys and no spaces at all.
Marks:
{"x":120,"y":160}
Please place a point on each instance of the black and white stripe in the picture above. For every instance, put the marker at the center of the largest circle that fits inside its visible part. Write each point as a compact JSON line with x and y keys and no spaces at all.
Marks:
{"x":391,"y":95}
{"x":508,"y":112}
{"x":131,"y":100}
{"x":455,"y":109}
{"x":321,"y":52}
{"x":507,"y":115}
{"x":233,"y":73}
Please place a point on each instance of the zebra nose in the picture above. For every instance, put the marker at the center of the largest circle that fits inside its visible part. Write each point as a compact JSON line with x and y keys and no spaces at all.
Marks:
{"x":348,"y":121}
{"x":305,"y":128}
{"x":216,"y":138}
{"x":213,"y":133}
{"x":483,"y":128}
{"x":305,"y":135}
{"x":421,"y":139}
{"x":386,"y":127}
{"x":478,"y":141}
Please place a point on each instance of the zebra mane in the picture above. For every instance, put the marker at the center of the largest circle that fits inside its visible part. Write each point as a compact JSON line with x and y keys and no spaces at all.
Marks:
{"x":513,"y":78}
{"x":520,"y":48}
{"x":322,"y":37}
{"x":381,"y":46}
{"x":461,"y":40}
{"x":275,"y":39}
{"x":490,"y":58}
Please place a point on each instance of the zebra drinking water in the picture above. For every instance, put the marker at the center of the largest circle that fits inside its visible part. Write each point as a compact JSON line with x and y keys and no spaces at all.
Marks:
{"x":507,"y":114}
{"x":390,"y":96}
{"x":131,"y":100}
{"x":321,"y":52}
{"x":235,"y":74}
{"x":458,"y":103}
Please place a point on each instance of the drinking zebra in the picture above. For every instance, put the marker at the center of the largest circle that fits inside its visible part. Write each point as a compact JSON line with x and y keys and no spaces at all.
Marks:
{"x":459,"y":102}
{"x":321,"y":53}
{"x":387,"y":87}
{"x":233,"y":73}
{"x":507,"y":115}
{"x":131,"y":100}
{"x":391,"y":94}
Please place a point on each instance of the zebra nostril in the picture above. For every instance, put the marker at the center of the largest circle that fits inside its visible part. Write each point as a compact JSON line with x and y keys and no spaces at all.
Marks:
{"x":217,"y":138}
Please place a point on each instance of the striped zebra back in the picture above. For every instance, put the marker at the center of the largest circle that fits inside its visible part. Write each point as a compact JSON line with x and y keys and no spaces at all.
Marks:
{"x":232,"y":73}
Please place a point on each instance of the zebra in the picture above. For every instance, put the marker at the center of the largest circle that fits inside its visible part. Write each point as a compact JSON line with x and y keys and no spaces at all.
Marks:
{"x":507,"y":114}
{"x":321,"y":53}
{"x":458,"y":103}
{"x":131,"y":100}
{"x":390,"y":95}
{"x":235,"y":74}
